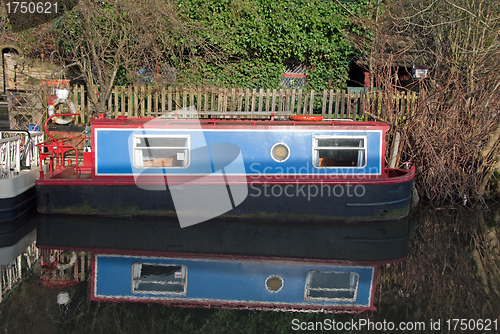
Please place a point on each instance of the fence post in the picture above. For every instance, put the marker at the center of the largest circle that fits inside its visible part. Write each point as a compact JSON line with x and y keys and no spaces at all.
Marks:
{"x":348,"y":104}
{"x":273,"y":101}
{"x":157,"y":98}
{"x":198,"y":100}
{"x":169,"y":98}
{"x":290,"y":100}
{"x":356,"y":105}
{"x":261,"y":97}
{"x":205,"y":105}
{"x":304,"y":112}
{"x":214,"y":99}
{"x":231,"y":102}
{"x":142,"y":109}
{"x":192,"y":103}
{"x":311,"y":102}
{"x":109,"y":99}
{"x":323,"y":108}
{"x":280,"y":100}
{"x":254,"y":93}
{"x":362,"y":104}
{"x":136,"y":101}
{"x":330,"y":104}
{"x":82,"y":102}
{"x":117,"y":90}
{"x":184,"y":98}
{"x":163,"y":99}
{"x":299,"y":102}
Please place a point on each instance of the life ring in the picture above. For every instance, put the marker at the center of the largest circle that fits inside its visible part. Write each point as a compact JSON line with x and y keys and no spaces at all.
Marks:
{"x":307,"y":118}
{"x":62,"y":120}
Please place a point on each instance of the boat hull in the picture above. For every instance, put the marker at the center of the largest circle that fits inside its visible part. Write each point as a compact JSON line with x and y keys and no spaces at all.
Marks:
{"x":17,"y":194}
{"x":341,"y":202}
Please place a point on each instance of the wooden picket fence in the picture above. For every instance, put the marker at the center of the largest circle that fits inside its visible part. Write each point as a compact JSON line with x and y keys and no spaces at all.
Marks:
{"x":145,"y":101}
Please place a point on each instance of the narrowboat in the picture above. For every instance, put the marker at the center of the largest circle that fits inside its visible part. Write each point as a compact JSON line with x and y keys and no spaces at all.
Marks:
{"x":200,"y":168}
{"x":19,"y":168}
{"x":233,"y":282}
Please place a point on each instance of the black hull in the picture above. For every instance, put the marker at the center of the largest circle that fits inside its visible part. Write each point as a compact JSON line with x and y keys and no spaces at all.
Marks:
{"x":14,"y":207}
{"x":374,"y":201}
{"x":374,"y":241}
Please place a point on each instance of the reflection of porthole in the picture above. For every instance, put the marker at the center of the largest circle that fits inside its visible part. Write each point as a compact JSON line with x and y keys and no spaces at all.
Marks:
{"x":280,"y":152}
{"x":274,"y":283}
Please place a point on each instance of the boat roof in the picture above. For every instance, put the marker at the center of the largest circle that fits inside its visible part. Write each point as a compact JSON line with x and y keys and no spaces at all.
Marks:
{"x":124,"y":122}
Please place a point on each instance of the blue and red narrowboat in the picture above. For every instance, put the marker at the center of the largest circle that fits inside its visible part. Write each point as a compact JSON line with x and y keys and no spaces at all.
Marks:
{"x":198,"y":169}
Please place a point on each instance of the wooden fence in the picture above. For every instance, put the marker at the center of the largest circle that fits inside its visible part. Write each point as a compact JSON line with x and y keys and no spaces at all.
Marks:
{"x":145,"y":101}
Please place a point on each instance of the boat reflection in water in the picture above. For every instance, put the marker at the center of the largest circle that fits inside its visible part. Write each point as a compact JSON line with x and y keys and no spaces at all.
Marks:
{"x":17,"y":240}
{"x":242,"y":264}
{"x":16,"y":235}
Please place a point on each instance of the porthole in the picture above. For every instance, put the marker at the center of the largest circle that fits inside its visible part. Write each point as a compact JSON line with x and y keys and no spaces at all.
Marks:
{"x":274,"y":283}
{"x":280,"y":152}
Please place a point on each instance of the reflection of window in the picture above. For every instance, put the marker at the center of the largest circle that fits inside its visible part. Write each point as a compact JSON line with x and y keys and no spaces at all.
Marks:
{"x":326,"y":285}
{"x":157,"y":151}
{"x":346,"y":151}
{"x":158,"y":278}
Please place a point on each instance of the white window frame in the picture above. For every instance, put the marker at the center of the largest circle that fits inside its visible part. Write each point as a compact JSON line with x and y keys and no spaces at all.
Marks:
{"x":136,"y":274}
{"x":316,"y":149}
{"x":308,"y":287}
{"x":136,"y":157}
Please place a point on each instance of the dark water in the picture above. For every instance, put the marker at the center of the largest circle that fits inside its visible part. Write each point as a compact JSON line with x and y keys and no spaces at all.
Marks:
{"x":438,"y":280}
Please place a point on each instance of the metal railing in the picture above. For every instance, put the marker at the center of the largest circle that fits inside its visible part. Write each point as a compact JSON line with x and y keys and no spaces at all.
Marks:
{"x":18,"y":151}
{"x":56,"y":150}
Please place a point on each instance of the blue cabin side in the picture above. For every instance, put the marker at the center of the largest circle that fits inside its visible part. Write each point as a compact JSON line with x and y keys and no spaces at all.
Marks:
{"x":252,"y":283}
{"x":254,"y":152}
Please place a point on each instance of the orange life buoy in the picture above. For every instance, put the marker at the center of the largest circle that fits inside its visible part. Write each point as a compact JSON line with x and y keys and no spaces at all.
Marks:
{"x":52,"y":102}
{"x":307,"y":118}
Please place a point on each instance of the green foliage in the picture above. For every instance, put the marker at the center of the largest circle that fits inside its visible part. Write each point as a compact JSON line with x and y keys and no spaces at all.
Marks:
{"x":260,"y":36}
{"x":245,"y":73}
{"x":238,"y":43}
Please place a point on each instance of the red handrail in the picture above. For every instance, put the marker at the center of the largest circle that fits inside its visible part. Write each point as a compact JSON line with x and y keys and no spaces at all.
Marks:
{"x":56,"y":147}
{"x":49,"y":118}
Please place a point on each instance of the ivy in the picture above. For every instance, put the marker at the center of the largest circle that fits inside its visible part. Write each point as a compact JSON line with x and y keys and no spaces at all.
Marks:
{"x":260,"y":36}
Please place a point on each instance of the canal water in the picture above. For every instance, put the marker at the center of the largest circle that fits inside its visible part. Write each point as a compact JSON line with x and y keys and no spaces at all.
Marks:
{"x":440,"y":279}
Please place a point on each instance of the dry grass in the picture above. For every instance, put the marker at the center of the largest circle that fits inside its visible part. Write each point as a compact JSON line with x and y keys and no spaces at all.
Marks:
{"x":445,"y":135}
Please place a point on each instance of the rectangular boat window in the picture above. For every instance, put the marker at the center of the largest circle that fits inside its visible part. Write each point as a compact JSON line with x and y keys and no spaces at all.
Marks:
{"x":157,"y":151}
{"x":159,"y":279}
{"x":331,"y":285}
{"x":346,"y":151}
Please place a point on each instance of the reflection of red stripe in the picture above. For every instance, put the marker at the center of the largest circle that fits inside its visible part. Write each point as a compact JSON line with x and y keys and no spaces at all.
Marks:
{"x":293,"y":75}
